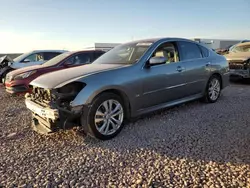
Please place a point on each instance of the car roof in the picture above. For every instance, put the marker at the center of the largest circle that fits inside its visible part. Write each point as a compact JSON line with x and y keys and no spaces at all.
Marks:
{"x":243,"y":44}
{"x":37,"y":51}
{"x":87,"y":50}
{"x":153,"y":40}
{"x":82,"y":51}
{"x":243,"y":41}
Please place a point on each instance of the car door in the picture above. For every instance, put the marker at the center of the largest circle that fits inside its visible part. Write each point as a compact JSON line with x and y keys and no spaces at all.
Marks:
{"x":196,"y":64}
{"x":163,"y":83}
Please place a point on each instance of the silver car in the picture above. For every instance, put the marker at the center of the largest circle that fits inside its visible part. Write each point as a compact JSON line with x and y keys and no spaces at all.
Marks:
{"x":130,"y":80}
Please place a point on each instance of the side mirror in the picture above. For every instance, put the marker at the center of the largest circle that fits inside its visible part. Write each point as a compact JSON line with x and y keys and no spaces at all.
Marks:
{"x":26,"y":61}
{"x":157,"y":60}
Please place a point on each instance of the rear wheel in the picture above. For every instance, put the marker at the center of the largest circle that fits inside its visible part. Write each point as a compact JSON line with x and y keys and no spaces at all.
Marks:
{"x":106,"y":116}
{"x":213,"y":89}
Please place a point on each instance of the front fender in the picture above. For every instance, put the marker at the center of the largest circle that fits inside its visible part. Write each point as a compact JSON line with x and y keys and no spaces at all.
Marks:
{"x":87,"y":94}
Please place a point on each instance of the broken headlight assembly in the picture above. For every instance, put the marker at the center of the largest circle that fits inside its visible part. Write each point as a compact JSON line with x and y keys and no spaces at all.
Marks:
{"x":23,"y":75}
{"x":64,"y":95}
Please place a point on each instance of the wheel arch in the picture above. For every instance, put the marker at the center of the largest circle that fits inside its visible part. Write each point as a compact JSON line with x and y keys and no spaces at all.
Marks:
{"x":212,"y":74}
{"x":122,"y":95}
{"x":219,"y":76}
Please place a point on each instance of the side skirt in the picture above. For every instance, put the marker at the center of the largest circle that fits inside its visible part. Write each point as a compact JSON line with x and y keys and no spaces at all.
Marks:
{"x":168,"y":104}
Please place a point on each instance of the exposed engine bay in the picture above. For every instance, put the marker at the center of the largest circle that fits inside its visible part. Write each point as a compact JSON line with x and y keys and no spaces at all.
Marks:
{"x":238,"y":64}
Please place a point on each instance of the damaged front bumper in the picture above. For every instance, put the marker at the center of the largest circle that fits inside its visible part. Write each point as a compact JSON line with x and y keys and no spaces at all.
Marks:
{"x":239,"y":68}
{"x":240,"y":73}
{"x":47,"y":120}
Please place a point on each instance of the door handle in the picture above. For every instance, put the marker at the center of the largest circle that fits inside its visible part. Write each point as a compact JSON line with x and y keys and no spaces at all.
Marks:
{"x":208,"y":64}
{"x":180,"y":69}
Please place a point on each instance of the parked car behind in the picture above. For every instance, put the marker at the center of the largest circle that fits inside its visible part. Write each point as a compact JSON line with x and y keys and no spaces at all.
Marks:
{"x":36,"y":57}
{"x":233,"y":46}
{"x":18,"y":81}
{"x":239,"y":60}
{"x":132,"y":79}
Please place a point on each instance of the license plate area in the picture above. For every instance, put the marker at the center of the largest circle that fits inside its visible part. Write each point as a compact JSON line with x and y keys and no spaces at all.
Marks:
{"x":42,"y":111}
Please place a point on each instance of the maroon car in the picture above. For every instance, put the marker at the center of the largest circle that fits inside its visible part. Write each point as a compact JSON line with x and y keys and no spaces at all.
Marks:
{"x":18,"y":81}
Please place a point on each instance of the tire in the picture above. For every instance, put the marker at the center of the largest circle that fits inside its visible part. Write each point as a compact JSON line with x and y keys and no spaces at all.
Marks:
{"x":213,"y":89}
{"x":99,"y":115}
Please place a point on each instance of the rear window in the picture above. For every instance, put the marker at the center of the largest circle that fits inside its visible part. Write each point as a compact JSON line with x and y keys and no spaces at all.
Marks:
{"x":204,"y":51}
{"x":189,"y":51}
{"x":50,"y":55}
{"x":57,"y":59}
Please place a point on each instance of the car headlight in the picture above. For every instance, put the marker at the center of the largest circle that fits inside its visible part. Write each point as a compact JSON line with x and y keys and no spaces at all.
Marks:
{"x":24,"y":75}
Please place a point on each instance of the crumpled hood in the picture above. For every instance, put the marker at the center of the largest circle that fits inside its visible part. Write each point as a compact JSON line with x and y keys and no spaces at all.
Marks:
{"x":18,"y":65}
{"x":25,"y":69}
{"x":58,"y":78}
{"x":238,"y":56}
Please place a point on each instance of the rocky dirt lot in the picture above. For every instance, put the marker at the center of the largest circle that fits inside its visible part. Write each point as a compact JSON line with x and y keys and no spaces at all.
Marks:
{"x":192,"y":145}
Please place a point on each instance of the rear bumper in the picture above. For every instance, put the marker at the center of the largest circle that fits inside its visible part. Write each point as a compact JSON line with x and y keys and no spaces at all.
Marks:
{"x":49,"y":120}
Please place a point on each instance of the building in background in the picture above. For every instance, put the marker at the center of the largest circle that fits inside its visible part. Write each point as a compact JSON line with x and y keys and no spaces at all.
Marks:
{"x":103,"y":46}
{"x":217,"y":43}
{"x":96,"y":46}
{"x":210,"y":43}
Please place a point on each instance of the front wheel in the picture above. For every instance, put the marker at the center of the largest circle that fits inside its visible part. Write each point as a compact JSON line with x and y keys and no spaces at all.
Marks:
{"x":106,"y":116}
{"x":213,"y":89}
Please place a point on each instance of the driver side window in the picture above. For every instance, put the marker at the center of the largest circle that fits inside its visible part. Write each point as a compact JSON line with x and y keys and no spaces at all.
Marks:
{"x":167,"y":50}
{"x":34,"y":58}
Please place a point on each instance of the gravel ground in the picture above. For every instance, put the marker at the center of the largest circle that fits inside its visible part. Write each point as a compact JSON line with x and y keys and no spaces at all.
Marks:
{"x":192,"y":145}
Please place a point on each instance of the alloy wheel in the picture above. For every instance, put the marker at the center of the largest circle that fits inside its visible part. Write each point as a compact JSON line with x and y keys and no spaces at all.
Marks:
{"x":214,"y":89}
{"x":109,"y":117}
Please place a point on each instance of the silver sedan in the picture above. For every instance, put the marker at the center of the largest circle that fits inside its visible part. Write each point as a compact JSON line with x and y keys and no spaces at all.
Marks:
{"x":130,"y":80}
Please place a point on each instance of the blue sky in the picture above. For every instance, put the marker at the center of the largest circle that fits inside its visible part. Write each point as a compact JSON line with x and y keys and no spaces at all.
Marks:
{"x":31,"y":24}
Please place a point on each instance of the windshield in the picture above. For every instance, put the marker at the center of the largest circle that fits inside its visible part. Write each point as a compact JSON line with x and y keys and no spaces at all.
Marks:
{"x":21,"y":57}
{"x":124,"y":54}
{"x":245,"y":48}
{"x":56,"y":59}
